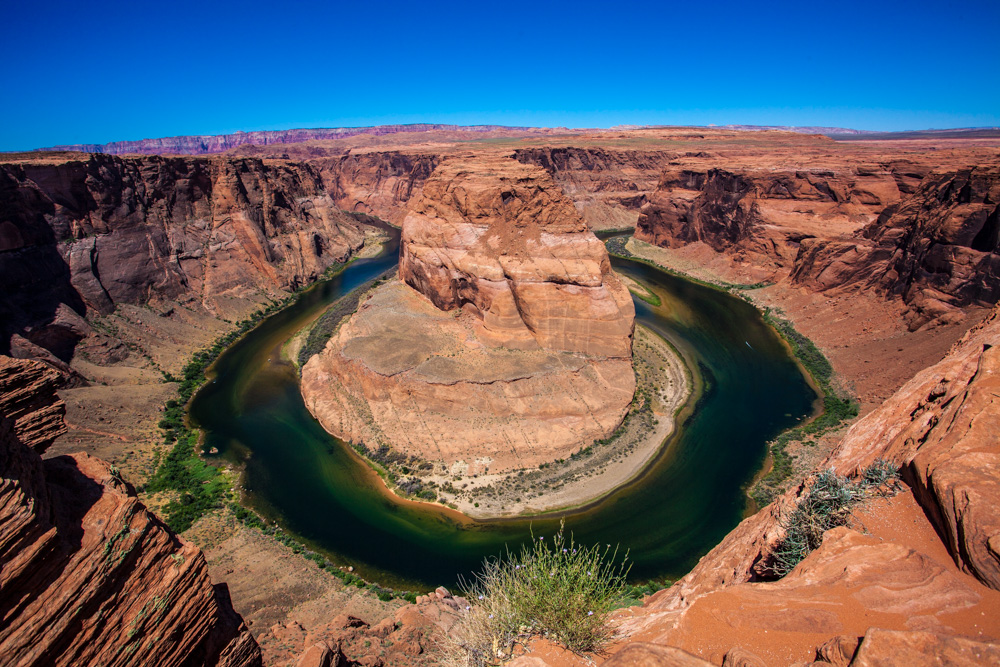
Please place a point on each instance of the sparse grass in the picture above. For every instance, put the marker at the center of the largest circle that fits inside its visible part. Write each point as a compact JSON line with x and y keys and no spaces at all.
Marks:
{"x":554,"y":588}
{"x":827,"y":504}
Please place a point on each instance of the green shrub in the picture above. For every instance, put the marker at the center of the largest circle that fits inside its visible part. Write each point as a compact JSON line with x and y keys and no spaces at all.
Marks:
{"x":827,"y":504}
{"x":879,"y":474}
{"x":554,"y":588}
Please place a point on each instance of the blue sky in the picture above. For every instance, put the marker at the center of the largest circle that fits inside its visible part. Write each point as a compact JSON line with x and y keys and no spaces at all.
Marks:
{"x":78,"y":72}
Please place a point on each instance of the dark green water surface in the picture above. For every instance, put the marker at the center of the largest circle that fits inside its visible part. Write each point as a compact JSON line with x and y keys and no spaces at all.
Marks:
{"x":314,"y":486}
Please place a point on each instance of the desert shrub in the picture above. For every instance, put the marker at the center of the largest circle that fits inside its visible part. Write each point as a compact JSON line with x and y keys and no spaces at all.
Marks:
{"x":879,"y":474}
{"x":827,"y":504}
{"x":554,"y":587}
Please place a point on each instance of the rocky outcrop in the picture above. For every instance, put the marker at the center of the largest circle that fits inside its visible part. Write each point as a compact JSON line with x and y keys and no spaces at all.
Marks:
{"x":87,"y":575}
{"x":764,"y":212}
{"x":940,"y":429}
{"x":939,"y":249}
{"x":85,"y":234}
{"x":500,"y":237}
{"x":513,"y":346}
{"x":416,"y":634}
{"x":28,"y":398}
{"x":404,"y":374}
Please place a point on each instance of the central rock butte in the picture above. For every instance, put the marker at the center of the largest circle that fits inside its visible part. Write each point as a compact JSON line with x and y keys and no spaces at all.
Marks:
{"x":505,"y":344}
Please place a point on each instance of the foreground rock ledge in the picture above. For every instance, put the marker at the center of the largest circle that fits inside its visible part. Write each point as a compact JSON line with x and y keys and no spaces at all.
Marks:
{"x":87,"y":575}
{"x":510,"y":343}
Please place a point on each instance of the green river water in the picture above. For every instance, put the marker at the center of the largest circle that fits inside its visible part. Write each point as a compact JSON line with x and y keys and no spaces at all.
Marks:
{"x":692,"y":494}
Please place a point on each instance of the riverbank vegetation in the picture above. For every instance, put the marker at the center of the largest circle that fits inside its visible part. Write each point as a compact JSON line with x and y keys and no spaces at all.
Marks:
{"x":838,"y":406}
{"x":197,"y":486}
{"x":324,"y":327}
{"x":616,"y":247}
{"x":250,"y":519}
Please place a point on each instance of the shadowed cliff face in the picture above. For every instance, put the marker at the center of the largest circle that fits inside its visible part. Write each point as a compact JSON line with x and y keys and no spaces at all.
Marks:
{"x":608,"y":187}
{"x":939,"y":249}
{"x":934,"y":244}
{"x":87,"y":574}
{"x":723,"y":214}
{"x":381,"y":184}
{"x":83,"y":235}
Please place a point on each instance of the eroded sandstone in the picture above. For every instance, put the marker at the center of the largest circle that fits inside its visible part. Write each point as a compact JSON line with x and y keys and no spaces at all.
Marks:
{"x":88,"y":575}
{"x":508,"y":345}
{"x":83,"y":235}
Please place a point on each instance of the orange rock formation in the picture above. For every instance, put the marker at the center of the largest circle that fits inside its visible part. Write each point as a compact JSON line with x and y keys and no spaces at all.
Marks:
{"x":513,"y":349}
{"x":941,"y":597}
{"x":87,"y":575}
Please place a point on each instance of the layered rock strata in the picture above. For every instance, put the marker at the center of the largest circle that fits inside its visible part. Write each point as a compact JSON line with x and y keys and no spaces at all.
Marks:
{"x":28,"y":399}
{"x":500,"y":238}
{"x":939,"y":249}
{"x":507,"y":344}
{"x":896,"y":228}
{"x":82,"y":235}
{"x":608,"y":187}
{"x":940,"y":429}
{"x":763,"y":212}
{"x":87,"y":574}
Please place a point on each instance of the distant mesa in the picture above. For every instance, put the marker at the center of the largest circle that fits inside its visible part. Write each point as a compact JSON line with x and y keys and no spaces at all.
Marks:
{"x":219,"y":143}
{"x":506,"y":342}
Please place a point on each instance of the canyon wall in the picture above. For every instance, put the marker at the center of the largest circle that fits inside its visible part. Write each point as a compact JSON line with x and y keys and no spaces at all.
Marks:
{"x":763,"y":212}
{"x":81,"y":235}
{"x":607,"y":186}
{"x":897,"y":228}
{"x":87,"y":574}
{"x":938,"y":248}
{"x":925,"y":561}
{"x":378,"y":183}
{"x":507,"y":344}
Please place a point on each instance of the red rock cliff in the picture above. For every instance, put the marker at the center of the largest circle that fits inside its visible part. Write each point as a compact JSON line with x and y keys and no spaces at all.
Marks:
{"x":82,"y":234}
{"x":87,"y":575}
{"x":939,"y":248}
{"x":500,"y":237}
